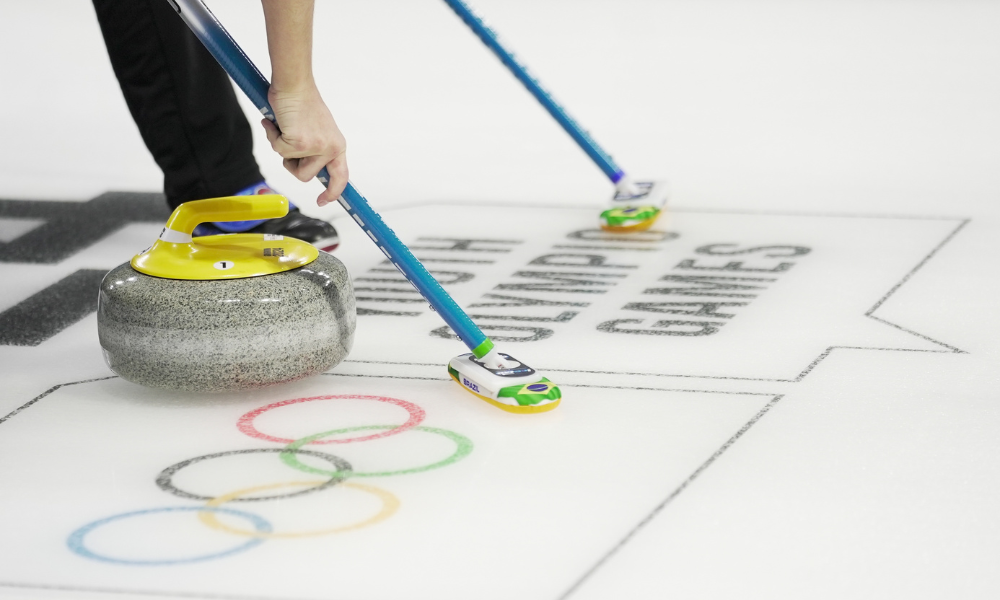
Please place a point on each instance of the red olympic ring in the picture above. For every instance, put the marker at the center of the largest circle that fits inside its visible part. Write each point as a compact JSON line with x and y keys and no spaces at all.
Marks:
{"x":417,"y":414}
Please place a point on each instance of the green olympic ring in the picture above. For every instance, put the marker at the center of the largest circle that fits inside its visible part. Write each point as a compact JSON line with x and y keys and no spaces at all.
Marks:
{"x":463,"y":446}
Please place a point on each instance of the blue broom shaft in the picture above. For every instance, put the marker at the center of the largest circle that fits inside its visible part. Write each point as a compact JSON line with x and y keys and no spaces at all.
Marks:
{"x":411,"y":268}
{"x":249,"y":79}
{"x":520,"y":71}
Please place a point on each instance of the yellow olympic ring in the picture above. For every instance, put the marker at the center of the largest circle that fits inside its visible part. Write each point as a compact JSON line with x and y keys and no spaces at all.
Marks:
{"x":390,"y":504}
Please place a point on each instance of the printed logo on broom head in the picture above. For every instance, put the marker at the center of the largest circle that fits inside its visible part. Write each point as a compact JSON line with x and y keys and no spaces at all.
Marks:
{"x":336,"y":473}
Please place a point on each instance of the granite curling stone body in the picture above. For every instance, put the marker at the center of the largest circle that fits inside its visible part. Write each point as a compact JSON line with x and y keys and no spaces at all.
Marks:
{"x":225,"y":312}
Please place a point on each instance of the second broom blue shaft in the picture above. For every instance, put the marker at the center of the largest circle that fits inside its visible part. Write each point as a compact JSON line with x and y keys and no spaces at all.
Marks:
{"x":249,"y":79}
{"x":492,"y":41}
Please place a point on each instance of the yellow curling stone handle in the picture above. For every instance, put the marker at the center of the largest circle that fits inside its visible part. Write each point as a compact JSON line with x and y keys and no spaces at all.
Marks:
{"x":176,"y":255}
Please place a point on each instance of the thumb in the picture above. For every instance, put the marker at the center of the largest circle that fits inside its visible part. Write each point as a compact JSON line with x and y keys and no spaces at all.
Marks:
{"x":271,"y":130}
{"x":278,"y":143}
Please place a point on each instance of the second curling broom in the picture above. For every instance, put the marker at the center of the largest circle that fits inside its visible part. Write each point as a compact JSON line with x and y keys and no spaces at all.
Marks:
{"x":635,"y":204}
{"x":497,"y":378}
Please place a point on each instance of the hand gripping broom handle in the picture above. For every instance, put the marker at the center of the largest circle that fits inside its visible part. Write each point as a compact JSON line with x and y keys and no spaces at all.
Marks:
{"x":221,"y":45}
{"x":520,"y":71}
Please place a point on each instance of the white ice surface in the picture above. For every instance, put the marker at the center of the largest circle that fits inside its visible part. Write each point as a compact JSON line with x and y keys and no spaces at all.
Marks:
{"x":866,"y":131}
{"x":523,"y":514}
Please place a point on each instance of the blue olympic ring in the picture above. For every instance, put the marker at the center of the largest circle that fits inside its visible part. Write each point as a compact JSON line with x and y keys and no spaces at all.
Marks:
{"x":76,"y":539}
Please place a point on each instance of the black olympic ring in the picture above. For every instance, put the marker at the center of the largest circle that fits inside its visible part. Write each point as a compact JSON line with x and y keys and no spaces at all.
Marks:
{"x":343,"y":471}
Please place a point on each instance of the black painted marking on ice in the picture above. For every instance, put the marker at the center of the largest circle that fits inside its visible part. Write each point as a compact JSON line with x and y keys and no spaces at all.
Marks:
{"x":43,"y":315}
{"x":663,"y":375}
{"x":589,"y":372}
{"x":704,"y":309}
{"x":591,"y":261}
{"x":654,"y":389}
{"x":463,"y":244}
{"x":627,"y":249}
{"x":561,"y":385}
{"x":560,"y":318}
{"x":70,"y":227}
{"x":809,"y":368}
{"x":556,"y":281}
{"x":449,"y":260}
{"x":795,"y":251}
{"x":659,"y":508}
{"x":456,"y":276}
{"x":392,"y":290}
{"x":914,"y":333}
{"x":343,"y":470}
{"x":649,"y":236}
{"x":390,"y":313}
{"x":387,"y":376}
{"x":399,"y":279}
{"x":389,"y":362}
{"x":666,"y":327}
{"x":374,"y":299}
{"x":690,"y":264}
{"x":711,"y":286}
{"x":537,"y":333}
{"x":31,"y":402}
{"x":950,"y":349}
{"x":519,"y":301}
{"x":906,"y":278}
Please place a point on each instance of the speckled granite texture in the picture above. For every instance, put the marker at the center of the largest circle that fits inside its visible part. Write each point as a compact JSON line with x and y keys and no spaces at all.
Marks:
{"x":211,"y":336}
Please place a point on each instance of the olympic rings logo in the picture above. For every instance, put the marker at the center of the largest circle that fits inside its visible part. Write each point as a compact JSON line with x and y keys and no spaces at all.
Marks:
{"x":335,"y":472}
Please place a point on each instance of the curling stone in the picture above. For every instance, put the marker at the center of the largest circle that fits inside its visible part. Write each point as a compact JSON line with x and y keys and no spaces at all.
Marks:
{"x":225,"y":312}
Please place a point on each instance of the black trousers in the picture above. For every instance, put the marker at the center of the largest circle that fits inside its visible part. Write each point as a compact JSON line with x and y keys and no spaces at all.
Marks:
{"x":181,"y":100}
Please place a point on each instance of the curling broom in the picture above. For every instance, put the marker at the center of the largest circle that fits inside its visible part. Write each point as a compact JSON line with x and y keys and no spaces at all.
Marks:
{"x":497,"y":378}
{"x":635,"y":204}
